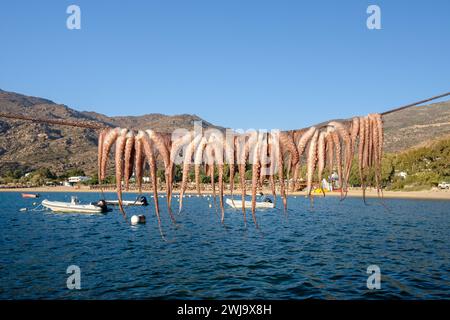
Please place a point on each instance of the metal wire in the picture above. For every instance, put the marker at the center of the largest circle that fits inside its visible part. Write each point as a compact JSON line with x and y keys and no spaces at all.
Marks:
{"x":415,"y":103}
{"x":70,"y":123}
{"x":98,"y":126}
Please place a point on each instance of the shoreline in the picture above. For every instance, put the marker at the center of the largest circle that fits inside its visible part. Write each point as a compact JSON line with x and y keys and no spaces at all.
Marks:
{"x":426,"y":194}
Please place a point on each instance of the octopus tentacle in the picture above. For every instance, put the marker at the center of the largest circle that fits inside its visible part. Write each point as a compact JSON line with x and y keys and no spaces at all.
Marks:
{"x":120,"y":149}
{"x":337,"y":146}
{"x":148,"y":150}
{"x":311,"y":163}
{"x":272,"y":154}
{"x":139,"y":159}
{"x":354,"y":132}
{"x":177,"y":145}
{"x":129,"y":149}
{"x":321,"y":157}
{"x":361,"y":148}
{"x":110,"y":138}
{"x":264,"y":149}
{"x":301,"y":146}
{"x":209,"y":152}
{"x":367,"y":142}
{"x":217,"y":145}
{"x":287,"y":140}
{"x":162,"y":145}
{"x":222,"y":209}
{"x":281,"y":149}
{"x":256,"y":165}
{"x":198,"y":159}
{"x":250,"y":151}
{"x":379,"y":125}
{"x":186,"y":163}
{"x":379,"y":128}
{"x":330,"y":152}
{"x":370,"y":143}
{"x":230,"y":159}
{"x":101,"y":139}
{"x":240,"y":156}
{"x":374,"y":162}
{"x":346,"y":139}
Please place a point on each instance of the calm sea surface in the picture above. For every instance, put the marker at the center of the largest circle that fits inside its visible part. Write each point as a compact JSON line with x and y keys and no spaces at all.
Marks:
{"x":319,"y":253}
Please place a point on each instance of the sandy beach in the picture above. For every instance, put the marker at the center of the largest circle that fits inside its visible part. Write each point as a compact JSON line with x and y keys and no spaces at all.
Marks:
{"x":425,"y":194}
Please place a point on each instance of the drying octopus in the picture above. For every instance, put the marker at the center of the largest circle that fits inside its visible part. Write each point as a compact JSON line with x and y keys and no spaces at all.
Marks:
{"x":272,"y":155}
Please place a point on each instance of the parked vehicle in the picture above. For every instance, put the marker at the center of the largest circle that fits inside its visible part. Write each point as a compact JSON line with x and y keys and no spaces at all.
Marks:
{"x":444,"y":185}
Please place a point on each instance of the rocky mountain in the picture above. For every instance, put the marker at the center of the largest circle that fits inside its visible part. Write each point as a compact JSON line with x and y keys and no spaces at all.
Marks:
{"x":416,"y":126}
{"x":28,"y":146}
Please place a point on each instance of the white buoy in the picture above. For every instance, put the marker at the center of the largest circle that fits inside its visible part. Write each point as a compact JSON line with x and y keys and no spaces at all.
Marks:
{"x":210,"y":205}
{"x":134,"y":220}
{"x":137,"y":219}
{"x":23,"y":209}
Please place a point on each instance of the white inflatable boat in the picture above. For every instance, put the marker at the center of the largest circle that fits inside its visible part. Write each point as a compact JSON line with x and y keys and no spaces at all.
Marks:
{"x":237,"y":204}
{"x":140,"y":201}
{"x":74,"y":206}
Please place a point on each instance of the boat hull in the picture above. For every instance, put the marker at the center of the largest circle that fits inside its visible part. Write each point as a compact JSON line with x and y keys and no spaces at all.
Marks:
{"x":237,"y":204}
{"x":124,"y":203}
{"x":29,"y":195}
{"x":65,"y":207}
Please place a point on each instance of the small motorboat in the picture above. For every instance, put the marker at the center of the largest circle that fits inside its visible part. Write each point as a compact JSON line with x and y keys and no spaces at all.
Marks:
{"x":140,"y":201}
{"x":237,"y":204}
{"x":30,"y":195}
{"x":75,"y":206}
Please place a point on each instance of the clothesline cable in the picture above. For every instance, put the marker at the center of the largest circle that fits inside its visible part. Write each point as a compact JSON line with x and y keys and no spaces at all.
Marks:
{"x":98,"y":126}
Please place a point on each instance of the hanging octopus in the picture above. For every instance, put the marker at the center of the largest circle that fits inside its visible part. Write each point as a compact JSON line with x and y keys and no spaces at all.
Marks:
{"x":271,"y":155}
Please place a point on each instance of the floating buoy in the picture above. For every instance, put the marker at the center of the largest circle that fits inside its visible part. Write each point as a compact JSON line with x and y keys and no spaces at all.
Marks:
{"x":210,"y":205}
{"x":23,"y":209}
{"x":137,"y":219}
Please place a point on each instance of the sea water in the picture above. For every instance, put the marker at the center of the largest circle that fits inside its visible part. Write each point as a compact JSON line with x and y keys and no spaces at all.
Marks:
{"x":320,"y":252}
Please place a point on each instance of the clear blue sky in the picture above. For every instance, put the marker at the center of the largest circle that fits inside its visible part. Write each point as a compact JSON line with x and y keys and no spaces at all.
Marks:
{"x":240,"y":64}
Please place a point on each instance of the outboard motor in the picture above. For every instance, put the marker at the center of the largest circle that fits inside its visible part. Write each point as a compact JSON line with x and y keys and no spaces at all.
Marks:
{"x":267,"y":199}
{"x":102,"y":204}
{"x":143,"y":200}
